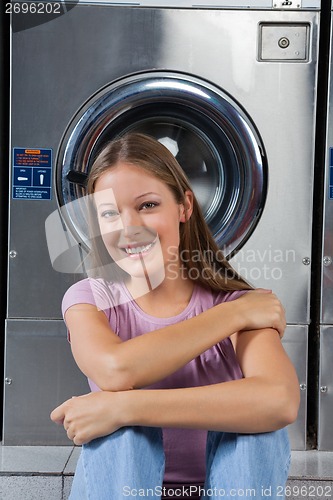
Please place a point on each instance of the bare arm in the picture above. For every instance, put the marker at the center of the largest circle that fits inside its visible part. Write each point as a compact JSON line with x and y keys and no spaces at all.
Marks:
{"x":265,"y":400}
{"x":115,"y":365}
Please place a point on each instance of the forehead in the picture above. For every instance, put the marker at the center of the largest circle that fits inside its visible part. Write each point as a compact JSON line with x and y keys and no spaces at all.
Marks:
{"x":125,"y":180}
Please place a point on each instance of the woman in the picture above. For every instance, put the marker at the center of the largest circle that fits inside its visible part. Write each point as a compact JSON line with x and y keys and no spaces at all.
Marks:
{"x":192,"y":389}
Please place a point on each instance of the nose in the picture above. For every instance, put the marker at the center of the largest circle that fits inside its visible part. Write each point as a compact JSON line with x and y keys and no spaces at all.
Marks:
{"x":132,"y":223}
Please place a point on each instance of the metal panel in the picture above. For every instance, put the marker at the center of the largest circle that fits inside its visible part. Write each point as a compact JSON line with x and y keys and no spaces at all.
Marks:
{"x":284,"y":42}
{"x":327,"y":252}
{"x":325,"y":427}
{"x":40,"y":374}
{"x":226,"y":4}
{"x":295,"y":342}
{"x":28,"y":270}
{"x":48,"y":70}
{"x":56,"y":68}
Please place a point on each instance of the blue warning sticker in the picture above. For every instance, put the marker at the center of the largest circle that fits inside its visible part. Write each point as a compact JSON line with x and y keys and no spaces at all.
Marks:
{"x":32,"y":174}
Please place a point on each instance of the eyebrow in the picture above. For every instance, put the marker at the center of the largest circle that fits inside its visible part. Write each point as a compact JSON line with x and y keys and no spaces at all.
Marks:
{"x":107,"y":205}
{"x":110,"y":204}
{"x":146,"y":194}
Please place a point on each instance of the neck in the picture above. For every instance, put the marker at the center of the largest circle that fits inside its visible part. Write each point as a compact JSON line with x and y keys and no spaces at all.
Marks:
{"x":170,"y":289}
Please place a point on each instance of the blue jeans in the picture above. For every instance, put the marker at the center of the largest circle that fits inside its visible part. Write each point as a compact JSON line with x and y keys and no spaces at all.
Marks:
{"x":130,"y":464}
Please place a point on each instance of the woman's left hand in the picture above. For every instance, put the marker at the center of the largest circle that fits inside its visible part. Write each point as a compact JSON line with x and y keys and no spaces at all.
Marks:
{"x":90,"y":416}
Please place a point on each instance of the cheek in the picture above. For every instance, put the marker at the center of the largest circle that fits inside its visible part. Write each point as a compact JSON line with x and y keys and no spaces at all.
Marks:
{"x":171,"y":240}
{"x":109,"y":235}
{"x":108,"y":226}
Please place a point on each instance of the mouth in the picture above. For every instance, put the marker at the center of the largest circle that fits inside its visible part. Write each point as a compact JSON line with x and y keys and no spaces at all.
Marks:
{"x":136,"y":250}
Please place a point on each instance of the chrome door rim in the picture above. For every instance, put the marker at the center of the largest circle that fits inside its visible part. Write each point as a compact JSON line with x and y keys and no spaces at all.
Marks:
{"x":113,"y":110}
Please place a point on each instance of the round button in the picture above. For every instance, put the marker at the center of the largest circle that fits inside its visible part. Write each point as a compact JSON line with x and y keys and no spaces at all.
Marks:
{"x":284,"y":42}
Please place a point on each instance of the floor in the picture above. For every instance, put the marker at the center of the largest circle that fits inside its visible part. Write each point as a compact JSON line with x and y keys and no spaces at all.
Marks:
{"x":46,"y":473}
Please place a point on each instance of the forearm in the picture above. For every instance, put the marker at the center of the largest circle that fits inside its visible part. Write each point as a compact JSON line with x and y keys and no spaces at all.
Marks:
{"x":151,"y":357}
{"x":117,"y":365}
{"x":247,"y":406}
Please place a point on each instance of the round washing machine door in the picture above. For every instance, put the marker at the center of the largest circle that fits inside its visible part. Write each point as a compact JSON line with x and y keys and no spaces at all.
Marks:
{"x":211,"y":136}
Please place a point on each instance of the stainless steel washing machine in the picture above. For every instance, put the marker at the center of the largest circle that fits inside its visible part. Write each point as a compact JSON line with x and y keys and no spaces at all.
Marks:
{"x":325,"y":427}
{"x":230,"y":87}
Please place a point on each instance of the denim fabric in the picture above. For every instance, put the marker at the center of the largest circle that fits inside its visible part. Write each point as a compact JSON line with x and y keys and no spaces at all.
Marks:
{"x":130,"y":464}
{"x":247,"y":465}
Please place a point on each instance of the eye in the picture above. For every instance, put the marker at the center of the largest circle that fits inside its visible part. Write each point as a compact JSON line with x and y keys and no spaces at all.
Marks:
{"x":148,"y":205}
{"x":109,"y":214}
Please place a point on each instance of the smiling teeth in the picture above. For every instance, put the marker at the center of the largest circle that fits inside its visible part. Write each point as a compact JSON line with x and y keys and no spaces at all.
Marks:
{"x":137,"y":250}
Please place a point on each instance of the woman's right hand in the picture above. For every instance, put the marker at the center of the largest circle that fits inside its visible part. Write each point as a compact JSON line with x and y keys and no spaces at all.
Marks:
{"x":261,"y":308}
{"x":91,"y":416}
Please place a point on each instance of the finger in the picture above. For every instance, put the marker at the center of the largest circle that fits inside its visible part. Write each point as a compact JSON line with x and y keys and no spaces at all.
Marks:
{"x":78,"y":441}
{"x":58,"y":414}
{"x":281,"y":329}
{"x":70,"y":434}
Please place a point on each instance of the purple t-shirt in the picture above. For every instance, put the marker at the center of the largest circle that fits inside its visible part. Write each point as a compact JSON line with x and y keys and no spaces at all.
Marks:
{"x":184,"y":448}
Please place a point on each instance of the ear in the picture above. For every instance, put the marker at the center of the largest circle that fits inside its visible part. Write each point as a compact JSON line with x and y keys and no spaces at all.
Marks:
{"x":185,"y":211}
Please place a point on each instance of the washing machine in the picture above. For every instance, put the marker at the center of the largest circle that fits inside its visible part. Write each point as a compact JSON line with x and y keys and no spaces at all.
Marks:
{"x":325,"y":397}
{"x":230,"y":88}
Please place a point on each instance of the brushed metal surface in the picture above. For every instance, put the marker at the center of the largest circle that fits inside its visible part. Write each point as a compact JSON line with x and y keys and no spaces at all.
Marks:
{"x":226,"y":4}
{"x":56,"y":68}
{"x":327,"y":249}
{"x":42,"y":374}
{"x":325,"y":396}
{"x":284,"y":42}
{"x":295,"y":342}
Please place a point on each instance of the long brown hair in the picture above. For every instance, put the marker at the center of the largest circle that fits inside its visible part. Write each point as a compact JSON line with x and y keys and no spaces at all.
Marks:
{"x":204,"y":261}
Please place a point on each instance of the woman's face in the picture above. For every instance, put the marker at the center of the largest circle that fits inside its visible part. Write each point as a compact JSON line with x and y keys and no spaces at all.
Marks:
{"x":139,"y":221}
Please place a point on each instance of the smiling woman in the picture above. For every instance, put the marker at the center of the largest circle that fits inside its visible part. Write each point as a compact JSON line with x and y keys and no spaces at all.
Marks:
{"x":139,"y":227}
{"x":144,"y":186}
{"x":191,"y":387}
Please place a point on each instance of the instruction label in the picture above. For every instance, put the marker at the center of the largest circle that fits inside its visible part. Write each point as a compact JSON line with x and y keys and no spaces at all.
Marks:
{"x":32,"y":174}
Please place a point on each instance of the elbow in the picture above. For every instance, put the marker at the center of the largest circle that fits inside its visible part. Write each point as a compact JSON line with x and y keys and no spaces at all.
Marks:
{"x":115,"y":376}
{"x":291,"y":411}
{"x":287,"y":405}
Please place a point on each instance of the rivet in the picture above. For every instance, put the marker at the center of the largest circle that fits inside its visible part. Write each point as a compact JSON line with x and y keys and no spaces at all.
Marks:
{"x":327,"y":261}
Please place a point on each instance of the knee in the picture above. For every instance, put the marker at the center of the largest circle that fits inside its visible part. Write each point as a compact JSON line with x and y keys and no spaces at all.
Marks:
{"x":258,"y":458}
{"x":139,"y":436}
{"x":270,"y":444}
{"x":134,"y":438}
{"x":275,"y":443}
{"x":128,"y":446}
